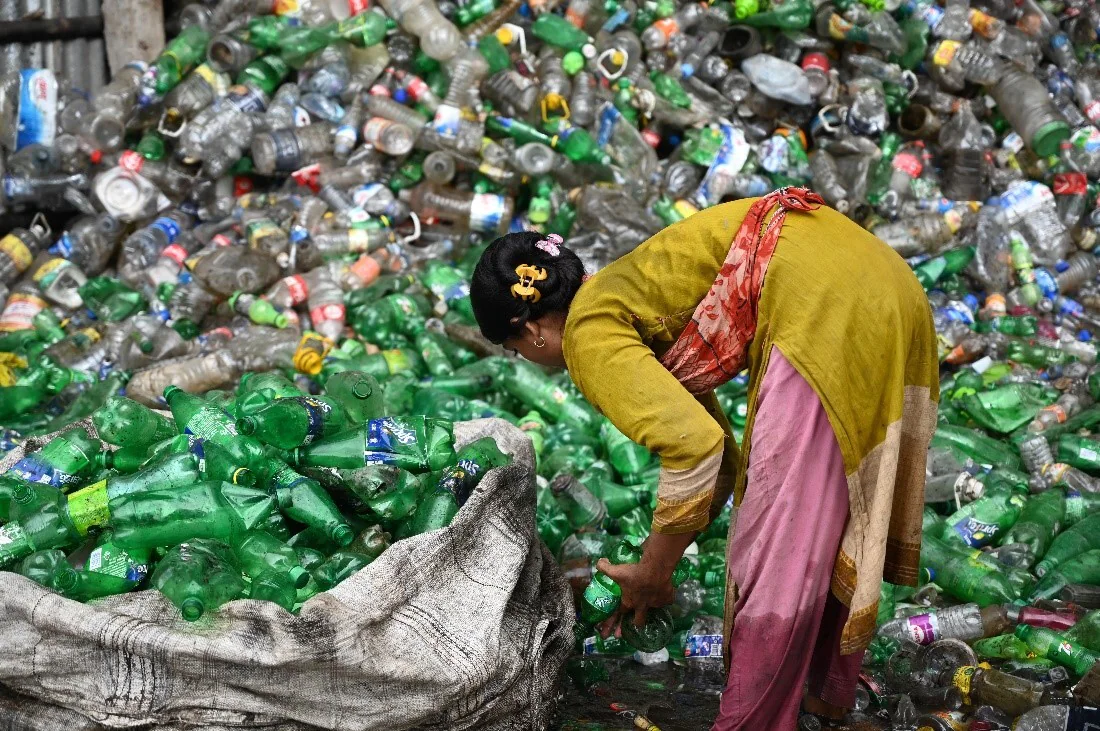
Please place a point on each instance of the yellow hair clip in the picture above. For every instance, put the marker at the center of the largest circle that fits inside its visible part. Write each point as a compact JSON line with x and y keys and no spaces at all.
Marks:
{"x":525,"y":289}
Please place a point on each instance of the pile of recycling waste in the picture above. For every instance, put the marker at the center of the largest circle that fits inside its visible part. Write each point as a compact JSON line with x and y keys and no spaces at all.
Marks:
{"x":247,"y":263}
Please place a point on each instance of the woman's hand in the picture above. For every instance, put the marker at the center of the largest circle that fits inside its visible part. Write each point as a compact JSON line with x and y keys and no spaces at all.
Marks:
{"x":647,"y":584}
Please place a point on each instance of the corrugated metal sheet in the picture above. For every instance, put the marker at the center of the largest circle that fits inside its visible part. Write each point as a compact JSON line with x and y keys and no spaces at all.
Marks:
{"x":82,"y":61}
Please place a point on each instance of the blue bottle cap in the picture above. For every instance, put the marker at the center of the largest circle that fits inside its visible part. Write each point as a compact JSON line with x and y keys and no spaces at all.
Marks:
{"x":401,"y":96}
{"x":971,"y":301}
{"x":1084,"y":335}
{"x":1061,"y":266}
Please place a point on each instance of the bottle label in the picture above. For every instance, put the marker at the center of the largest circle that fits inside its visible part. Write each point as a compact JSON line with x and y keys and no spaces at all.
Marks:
{"x":945,"y":52}
{"x":703,"y":646}
{"x":923,"y":629}
{"x":667,"y":26}
{"x":358,"y":240}
{"x":48,"y":272}
{"x":366,"y":268}
{"x":111,"y":560}
{"x":1046,"y":282}
{"x":358,"y":6}
{"x":309,"y":176}
{"x":297,"y":288}
{"x":33,"y":469}
{"x":446,"y":122}
{"x":131,"y":161}
{"x":176,"y":253}
{"x":316,"y":411}
{"x":258,"y":230}
{"x":487,"y":211}
{"x":976,"y":533}
{"x":17,"y":251}
{"x":1092,"y":110}
{"x":1070,"y":184}
{"x":288,"y":154}
{"x":37,"y":116}
{"x":19,"y":313}
{"x":88,"y":507}
{"x":962,"y":679}
{"x":415,"y":87}
{"x":168,"y":227}
{"x":332,"y":312}
{"x":63,"y":246}
{"x":908,"y":163}
{"x":12,"y":533}
{"x":206,"y":423}
{"x":397,"y":361}
{"x":383,"y":435}
{"x":245,"y":98}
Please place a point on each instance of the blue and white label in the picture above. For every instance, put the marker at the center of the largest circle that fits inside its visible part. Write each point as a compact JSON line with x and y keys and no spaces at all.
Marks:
{"x":976,"y":533}
{"x":63,"y":247}
{"x":37,"y":116}
{"x":447,"y":119}
{"x":316,"y":410}
{"x":33,"y":469}
{"x":487,"y":210}
{"x":1046,"y":282}
{"x":727,"y":163}
{"x":703,"y":646}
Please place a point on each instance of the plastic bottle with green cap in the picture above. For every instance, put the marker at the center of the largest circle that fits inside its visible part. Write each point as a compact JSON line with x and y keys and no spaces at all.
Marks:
{"x":304,"y":500}
{"x":125,"y":422}
{"x":258,"y":310}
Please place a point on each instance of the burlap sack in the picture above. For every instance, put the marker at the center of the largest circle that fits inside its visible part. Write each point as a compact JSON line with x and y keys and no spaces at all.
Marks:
{"x":467,"y":627}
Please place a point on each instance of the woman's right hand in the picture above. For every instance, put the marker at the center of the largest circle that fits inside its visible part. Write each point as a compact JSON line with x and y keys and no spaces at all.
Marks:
{"x":643,"y":587}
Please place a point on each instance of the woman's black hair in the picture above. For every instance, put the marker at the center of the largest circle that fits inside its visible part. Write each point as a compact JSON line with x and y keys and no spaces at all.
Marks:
{"x":499,"y":313}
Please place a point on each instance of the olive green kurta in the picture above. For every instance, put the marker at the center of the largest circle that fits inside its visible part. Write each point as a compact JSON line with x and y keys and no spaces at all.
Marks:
{"x":848,"y":314}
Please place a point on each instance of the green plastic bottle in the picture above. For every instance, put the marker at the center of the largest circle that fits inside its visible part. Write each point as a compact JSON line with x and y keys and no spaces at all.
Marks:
{"x":963,"y":577}
{"x":950,"y":262}
{"x":1054,"y":646}
{"x":618,"y":499}
{"x":414,"y":443}
{"x":438,"y":507}
{"x":582,"y":508}
{"x":1007,"y":408}
{"x":388,"y":492}
{"x":258,"y":552}
{"x":981,"y":522}
{"x":557,"y":31}
{"x":194,"y":415}
{"x":1083,"y":568}
{"x":180,"y":55}
{"x":287,"y":423}
{"x":198,"y":577}
{"x":630,"y":460}
{"x":359,"y":394}
{"x":1025,"y":326}
{"x":304,"y":500}
{"x":40,"y":521}
{"x":531,"y":386}
{"x":1042,"y":518}
{"x":217,"y":510}
{"x":258,"y":310}
{"x":126,"y":423}
{"x":791,"y":15}
{"x":65,"y":461}
{"x":257,"y":390}
{"x":434,"y":357}
{"x":983,"y":449}
{"x":1083,"y":536}
{"x":1080,"y":452}
{"x":1003,"y":647}
{"x":1034,"y":354}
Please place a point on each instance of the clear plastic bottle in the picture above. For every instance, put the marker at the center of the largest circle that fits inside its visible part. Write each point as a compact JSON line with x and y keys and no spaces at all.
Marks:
{"x":384,"y":106}
{"x":583,"y":100}
{"x":439,"y":167}
{"x":19,"y":248}
{"x":389,"y":137}
{"x":485,"y":212}
{"x":290,"y":149}
{"x":326,"y":307}
{"x":141,"y":248}
{"x":90,"y":242}
{"x":439,"y":38}
{"x":113,"y":105}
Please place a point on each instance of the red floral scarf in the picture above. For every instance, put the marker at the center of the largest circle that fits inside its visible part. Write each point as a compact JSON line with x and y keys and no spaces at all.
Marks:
{"x":713,"y":347}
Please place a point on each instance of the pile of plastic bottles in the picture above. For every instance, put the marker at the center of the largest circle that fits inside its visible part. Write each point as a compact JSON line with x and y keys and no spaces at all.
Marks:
{"x":268,"y":233}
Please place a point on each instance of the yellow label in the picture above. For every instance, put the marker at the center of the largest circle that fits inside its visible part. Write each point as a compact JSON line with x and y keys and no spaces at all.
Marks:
{"x":218,"y":82}
{"x":49,"y":270}
{"x":17,"y":251}
{"x":953,"y":219}
{"x":88,"y":507}
{"x":286,"y":7}
{"x":7,"y":376}
{"x":945,"y":52}
{"x":962,"y":680}
{"x":19,"y":312}
{"x":11,"y":360}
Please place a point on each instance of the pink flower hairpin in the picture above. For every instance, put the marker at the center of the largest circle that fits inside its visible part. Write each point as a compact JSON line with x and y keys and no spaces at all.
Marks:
{"x":550,"y":244}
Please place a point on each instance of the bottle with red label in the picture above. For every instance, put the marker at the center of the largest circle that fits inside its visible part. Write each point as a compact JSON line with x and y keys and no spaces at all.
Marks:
{"x":141,"y":249}
{"x":326,"y":307}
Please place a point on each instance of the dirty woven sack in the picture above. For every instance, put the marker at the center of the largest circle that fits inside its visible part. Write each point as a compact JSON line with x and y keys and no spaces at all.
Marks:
{"x":466,"y":627}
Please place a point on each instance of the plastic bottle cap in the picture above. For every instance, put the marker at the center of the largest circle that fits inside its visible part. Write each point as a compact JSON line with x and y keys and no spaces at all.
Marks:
{"x":572,"y":63}
{"x":246,"y":425}
{"x":244,"y":477}
{"x":299,"y":576}
{"x":400,"y":95}
{"x":1084,"y":335}
{"x":505,"y":36}
{"x":342,"y":535}
{"x":1048,"y":139}
{"x":589,"y":51}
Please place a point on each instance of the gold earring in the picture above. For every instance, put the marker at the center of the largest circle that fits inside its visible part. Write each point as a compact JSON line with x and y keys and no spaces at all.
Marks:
{"x":541,"y":342}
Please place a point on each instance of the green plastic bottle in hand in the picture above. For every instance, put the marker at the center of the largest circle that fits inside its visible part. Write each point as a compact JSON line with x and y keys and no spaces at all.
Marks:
{"x":259,"y":552}
{"x":126,"y":423}
{"x":630,"y":460}
{"x":217,"y":510}
{"x":198,"y":577}
{"x":1054,"y":646}
{"x":414,"y":443}
{"x":65,"y":461}
{"x":438,"y":507}
{"x":358,"y":393}
{"x":287,"y":423}
{"x":304,"y":500}
{"x":1083,"y":536}
{"x":1041,"y":519}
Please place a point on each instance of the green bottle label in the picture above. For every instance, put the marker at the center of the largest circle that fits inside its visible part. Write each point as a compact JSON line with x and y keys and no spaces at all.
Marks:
{"x":111,"y":560}
{"x":88,"y":507}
